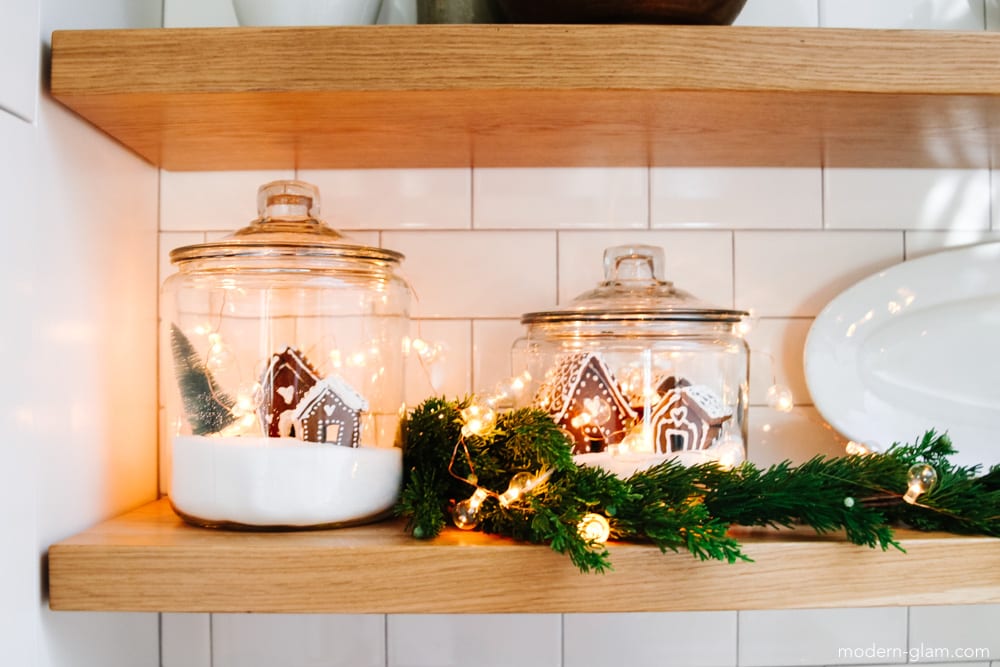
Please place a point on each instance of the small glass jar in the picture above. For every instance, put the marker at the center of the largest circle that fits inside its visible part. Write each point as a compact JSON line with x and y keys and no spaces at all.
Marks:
{"x":283,"y":398}
{"x":637,"y":371}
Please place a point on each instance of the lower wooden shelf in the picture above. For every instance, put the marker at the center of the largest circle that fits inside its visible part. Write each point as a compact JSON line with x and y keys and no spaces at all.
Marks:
{"x":149,"y":560}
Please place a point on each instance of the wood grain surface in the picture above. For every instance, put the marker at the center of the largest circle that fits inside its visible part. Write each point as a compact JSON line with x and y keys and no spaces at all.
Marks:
{"x":149,"y":560}
{"x":517,"y":95}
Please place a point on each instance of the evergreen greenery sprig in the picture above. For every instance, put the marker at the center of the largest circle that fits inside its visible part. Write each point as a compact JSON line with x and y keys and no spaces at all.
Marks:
{"x":208,"y":408}
{"x":669,"y":505}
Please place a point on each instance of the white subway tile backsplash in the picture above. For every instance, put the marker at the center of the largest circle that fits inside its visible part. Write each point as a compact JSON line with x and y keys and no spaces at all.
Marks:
{"x":550,"y":198}
{"x":395,"y":198}
{"x":692,"y":639}
{"x":910,"y":14}
{"x":796,"y":436}
{"x":185,"y":640}
{"x":925,"y":243}
{"x":821,"y":636}
{"x":776,"y":347}
{"x":491,"y":347}
{"x":731,"y":198}
{"x":993,"y":15}
{"x":198,"y":14}
{"x":907,"y":198}
{"x":298,"y":640}
{"x":484,"y":640}
{"x":211,"y":200}
{"x":966,"y":632}
{"x":448,"y":373}
{"x":783,"y":13}
{"x":19,"y":56}
{"x":477,"y":274}
{"x":97,"y":639}
{"x":699,"y":262}
{"x":795,"y":274}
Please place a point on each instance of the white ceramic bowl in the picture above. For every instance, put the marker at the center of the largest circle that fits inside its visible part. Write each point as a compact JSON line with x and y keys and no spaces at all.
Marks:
{"x":306,"y":12}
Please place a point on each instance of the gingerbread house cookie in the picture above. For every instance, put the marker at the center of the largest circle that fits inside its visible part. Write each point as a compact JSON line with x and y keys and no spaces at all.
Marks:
{"x":582,"y":396}
{"x":330,"y":412}
{"x":288,"y":377}
{"x":687,"y":418}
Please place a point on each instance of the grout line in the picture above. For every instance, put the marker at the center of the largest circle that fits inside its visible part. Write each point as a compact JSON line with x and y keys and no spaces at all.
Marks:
{"x":163,"y":14}
{"x":558,"y":234}
{"x":159,"y":306}
{"x":822,"y":198}
{"x":472,"y":198}
{"x":732,"y":273}
{"x":562,"y":640}
{"x":737,"y":662}
{"x":159,"y":638}
{"x":211,"y":640}
{"x":649,"y":197}
{"x":908,"y":635}
{"x":472,"y":357}
{"x":385,"y":638}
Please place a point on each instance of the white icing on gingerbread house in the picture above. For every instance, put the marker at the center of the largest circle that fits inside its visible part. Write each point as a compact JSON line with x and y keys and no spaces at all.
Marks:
{"x":582,"y":396}
{"x":330,"y":412}
{"x":289,"y":376}
{"x":687,"y":418}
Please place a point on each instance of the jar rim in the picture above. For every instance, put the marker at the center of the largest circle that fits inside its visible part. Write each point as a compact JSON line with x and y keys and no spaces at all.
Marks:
{"x":228,"y":249}
{"x":626,"y":316}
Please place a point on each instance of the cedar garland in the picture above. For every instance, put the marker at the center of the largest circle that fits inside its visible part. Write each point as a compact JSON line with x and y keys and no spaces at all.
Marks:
{"x":669,"y":505}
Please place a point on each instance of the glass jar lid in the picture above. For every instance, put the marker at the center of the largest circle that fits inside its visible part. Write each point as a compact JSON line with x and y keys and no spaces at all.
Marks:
{"x":633,"y":291}
{"x":287,"y":225}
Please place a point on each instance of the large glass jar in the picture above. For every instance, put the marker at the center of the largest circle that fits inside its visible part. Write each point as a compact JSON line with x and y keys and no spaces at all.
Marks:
{"x":284,"y":393}
{"x":637,"y":371}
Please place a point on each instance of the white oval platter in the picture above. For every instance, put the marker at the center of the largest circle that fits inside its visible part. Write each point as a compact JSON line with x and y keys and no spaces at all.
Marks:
{"x":912,"y":348}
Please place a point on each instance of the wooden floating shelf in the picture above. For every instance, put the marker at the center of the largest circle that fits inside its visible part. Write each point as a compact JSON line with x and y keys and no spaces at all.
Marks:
{"x":515,"y":95}
{"x":149,"y":560}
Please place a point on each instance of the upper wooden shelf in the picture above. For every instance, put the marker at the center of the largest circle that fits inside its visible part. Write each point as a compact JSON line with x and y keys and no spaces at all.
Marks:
{"x":149,"y":560}
{"x":514,"y":95}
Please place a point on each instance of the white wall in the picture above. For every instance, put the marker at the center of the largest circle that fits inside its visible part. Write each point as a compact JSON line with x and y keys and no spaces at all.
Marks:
{"x":78,"y":294}
{"x":780,"y":241}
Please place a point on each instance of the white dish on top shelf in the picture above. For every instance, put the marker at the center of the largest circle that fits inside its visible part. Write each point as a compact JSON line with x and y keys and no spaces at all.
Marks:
{"x":913,"y":348}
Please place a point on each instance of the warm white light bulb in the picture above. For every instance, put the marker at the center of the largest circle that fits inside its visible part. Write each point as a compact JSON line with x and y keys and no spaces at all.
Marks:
{"x":920,"y":478}
{"x":594,"y":528}
{"x":779,"y":397}
{"x":856,"y":448}
{"x":466,"y":513}
{"x":520,"y":484}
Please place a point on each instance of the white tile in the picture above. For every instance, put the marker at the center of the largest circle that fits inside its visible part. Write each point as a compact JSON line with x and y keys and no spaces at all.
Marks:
{"x":211,"y":200}
{"x":698,"y":262}
{"x":914,"y":14}
{"x":19,"y":557}
{"x":776,"y":347}
{"x":398,"y":11}
{"x":448,"y":372}
{"x":98,"y":639}
{"x":692,"y":639}
{"x":395,"y":198}
{"x":97,"y":276}
{"x":19,"y":54}
{"x":491,"y":347}
{"x":820,"y":636}
{"x":994,"y":176}
{"x":731,"y":198}
{"x":185,"y":640}
{"x":550,"y":198}
{"x":796,"y":436}
{"x":993,"y":15}
{"x":919,"y":244}
{"x":478,"y":274}
{"x":101,"y":14}
{"x":298,"y":640}
{"x":967,"y":632}
{"x":907,"y":198}
{"x":783,"y":13}
{"x":795,"y":274}
{"x":198,"y":14}
{"x":440,"y":640}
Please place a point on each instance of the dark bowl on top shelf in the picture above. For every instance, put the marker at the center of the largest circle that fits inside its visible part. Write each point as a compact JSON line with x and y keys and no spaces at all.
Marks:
{"x":706,"y":12}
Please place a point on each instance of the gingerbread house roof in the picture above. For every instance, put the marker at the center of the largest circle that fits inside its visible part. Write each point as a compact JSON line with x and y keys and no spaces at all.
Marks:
{"x":336,"y":385}
{"x":295,"y":362}
{"x":567,"y":374}
{"x":709,"y":402}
